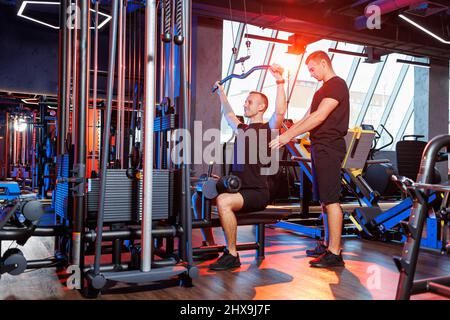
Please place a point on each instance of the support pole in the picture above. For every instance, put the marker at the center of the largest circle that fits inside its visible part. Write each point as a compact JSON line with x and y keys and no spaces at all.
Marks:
{"x":106,"y":133}
{"x":119,"y":83}
{"x":122,"y":107}
{"x":150,"y":102}
{"x":94,"y":113}
{"x":68,"y":82}
{"x":75,"y":71}
{"x":62,"y":78}
{"x":79,"y":167}
{"x":186,"y":87}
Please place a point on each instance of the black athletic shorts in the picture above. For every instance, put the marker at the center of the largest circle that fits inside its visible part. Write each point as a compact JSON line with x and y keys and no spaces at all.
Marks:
{"x":254,"y":200}
{"x":326,"y":168}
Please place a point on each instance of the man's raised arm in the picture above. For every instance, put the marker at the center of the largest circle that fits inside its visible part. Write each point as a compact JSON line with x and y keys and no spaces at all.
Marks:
{"x":227,"y":111}
{"x":277,"y":118}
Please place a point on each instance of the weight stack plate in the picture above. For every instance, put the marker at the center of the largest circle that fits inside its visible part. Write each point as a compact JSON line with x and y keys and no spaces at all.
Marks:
{"x":123,"y":200}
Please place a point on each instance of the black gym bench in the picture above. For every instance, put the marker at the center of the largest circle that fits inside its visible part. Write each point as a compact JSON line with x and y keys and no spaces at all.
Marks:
{"x":260,"y":219}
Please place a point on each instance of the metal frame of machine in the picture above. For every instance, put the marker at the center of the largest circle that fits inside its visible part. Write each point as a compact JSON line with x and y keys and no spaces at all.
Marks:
{"x":419,"y":193}
{"x":80,"y":238}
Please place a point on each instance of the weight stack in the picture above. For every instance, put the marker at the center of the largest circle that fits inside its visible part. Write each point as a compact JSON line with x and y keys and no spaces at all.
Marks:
{"x":123,"y":200}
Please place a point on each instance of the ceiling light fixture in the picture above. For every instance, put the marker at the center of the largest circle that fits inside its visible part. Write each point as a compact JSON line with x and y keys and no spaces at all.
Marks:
{"x":423,"y":29}
{"x":25,"y":3}
{"x":30,"y":101}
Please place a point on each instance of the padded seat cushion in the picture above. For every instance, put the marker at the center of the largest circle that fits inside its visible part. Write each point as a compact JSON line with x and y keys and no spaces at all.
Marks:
{"x":409,"y":156}
{"x":271,"y":214}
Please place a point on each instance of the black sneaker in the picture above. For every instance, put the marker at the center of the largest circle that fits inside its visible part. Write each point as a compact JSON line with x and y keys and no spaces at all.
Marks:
{"x":317,"y":251}
{"x":225,"y":262}
{"x":328,"y":260}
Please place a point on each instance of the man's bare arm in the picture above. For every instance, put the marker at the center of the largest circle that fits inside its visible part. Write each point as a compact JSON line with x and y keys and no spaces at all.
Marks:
{"x":312,"y":120}
{"x":276,"y":120}
{"x":226,"y":109}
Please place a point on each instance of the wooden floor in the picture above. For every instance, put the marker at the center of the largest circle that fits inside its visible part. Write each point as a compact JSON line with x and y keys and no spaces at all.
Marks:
{"x":284,"y":274}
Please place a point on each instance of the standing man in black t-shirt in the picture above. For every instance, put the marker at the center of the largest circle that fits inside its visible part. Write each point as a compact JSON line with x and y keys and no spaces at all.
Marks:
{"x":251,"y":143}
{"x":327,"y":122}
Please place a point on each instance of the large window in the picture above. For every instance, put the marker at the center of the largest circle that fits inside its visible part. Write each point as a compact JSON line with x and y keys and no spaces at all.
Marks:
{"x":300,"y":90}
{"x":342,"y":63}
{"x":239,"y":89}
{"x":380,"y":93}
{"x":384,"y":89}
{"x":359,"y":88}
{"x":401,"y":105}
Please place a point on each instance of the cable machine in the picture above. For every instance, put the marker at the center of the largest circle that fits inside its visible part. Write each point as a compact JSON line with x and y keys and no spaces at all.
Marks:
{"x":125,"y":204}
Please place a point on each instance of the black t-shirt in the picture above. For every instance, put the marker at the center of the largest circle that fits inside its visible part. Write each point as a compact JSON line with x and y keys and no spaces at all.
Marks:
{"x":251,"y":154}
{"x":332,"y":131}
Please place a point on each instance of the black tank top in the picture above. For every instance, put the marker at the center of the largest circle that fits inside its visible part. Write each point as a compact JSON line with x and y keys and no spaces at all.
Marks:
{"x":249,"y":158}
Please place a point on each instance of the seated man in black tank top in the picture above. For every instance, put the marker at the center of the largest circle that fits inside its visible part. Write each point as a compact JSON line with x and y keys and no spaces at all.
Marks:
{"x":247,"y":165}
{"x":327,"y":122}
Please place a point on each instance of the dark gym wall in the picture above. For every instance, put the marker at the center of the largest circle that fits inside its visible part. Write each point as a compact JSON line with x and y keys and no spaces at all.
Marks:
{"x":29,"y":55}
{"x":206,"y":70}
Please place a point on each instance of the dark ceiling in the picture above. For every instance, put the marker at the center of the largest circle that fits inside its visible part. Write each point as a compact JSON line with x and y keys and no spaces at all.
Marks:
{"x":337,"y":20}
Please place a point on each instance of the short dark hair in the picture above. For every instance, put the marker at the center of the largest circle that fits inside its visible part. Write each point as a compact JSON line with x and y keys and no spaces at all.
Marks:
{"x":318,"y":56}
{"x":263,"y":97}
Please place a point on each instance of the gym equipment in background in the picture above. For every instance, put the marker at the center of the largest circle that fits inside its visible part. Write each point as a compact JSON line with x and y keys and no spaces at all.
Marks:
{"x":368,"y":219}
{"x":19,"y":221}
{"x":409,"y":154}
{"x":379,"y":168}
{"x":303,"y":220}
{"x":419,"y":193}
{"x":128,"y":211}
{"x":371,"y":219}
{"x":150,"y":190}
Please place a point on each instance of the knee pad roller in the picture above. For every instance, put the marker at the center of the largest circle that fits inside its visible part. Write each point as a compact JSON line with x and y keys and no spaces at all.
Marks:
{"x":212,"y":187}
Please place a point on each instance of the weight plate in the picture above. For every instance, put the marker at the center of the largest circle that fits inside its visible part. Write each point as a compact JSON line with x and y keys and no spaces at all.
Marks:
{"x":15,"y":257}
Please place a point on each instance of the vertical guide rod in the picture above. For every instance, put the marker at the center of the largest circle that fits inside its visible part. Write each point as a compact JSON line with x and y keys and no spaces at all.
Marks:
{"x":74,"y":67}
{"x":94,"y":113}
{"x":162,"y":75}
{"x":186,"y":86}
{"x":68,"y":76}
{"x":62,"y":78}
{"x":119,"y":84}
{"x":106,"y":133}
{"x":150,"y":102}
{"x":170,"y":78}
{"x":122,"y":116}
{"x":80,"y":141}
